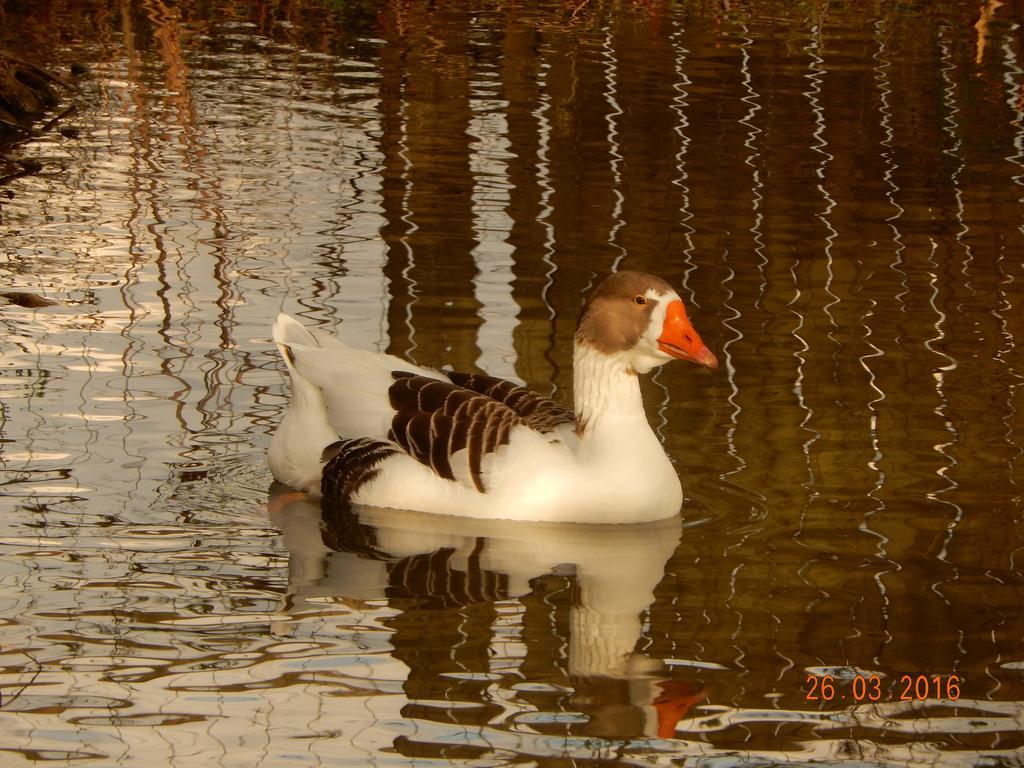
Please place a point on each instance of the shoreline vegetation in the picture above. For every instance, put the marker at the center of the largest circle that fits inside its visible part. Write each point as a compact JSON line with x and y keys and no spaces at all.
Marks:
{"x":28,"y":95}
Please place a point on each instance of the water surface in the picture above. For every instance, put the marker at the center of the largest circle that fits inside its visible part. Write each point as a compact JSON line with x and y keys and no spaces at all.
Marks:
{"x":834,"y":188}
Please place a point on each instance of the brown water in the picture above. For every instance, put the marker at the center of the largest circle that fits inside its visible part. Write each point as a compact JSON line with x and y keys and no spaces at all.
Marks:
{"x":837,"y":190}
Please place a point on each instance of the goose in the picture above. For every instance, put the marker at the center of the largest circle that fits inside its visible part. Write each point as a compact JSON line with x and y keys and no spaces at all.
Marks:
{"x":372,"y":429}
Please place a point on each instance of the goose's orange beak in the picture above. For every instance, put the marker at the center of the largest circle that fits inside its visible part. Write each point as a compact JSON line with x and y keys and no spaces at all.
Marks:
{"x":680,"y":340}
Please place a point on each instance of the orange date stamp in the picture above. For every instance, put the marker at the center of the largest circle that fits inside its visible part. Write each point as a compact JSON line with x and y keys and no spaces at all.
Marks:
{"x":869,"y":688}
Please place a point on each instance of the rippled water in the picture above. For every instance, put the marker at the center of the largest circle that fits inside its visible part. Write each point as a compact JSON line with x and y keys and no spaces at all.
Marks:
{"x":835,"y":188}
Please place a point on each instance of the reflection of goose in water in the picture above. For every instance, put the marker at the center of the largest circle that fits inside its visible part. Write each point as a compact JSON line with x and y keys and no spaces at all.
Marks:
{"x":446,"y":575}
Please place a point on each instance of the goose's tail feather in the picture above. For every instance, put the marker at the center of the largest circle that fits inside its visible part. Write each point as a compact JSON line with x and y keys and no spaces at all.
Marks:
{"x":296,"y":449}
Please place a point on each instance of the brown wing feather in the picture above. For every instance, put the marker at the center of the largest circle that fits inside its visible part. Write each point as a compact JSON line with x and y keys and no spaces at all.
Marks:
{"x":536,"y":411}
{"x":350,"y":464}
{"x":435,"y":419}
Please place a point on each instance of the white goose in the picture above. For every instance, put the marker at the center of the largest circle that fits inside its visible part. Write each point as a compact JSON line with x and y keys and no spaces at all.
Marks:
{"x":370,"y":428}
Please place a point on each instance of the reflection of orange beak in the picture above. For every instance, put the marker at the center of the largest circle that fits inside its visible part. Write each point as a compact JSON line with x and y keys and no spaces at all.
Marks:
{"x":680,"y":340}
{"x":677,"y":698}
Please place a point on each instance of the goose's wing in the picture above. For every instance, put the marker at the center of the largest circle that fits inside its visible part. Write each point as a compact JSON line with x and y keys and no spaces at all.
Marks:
{"x":452,"y":428}
{"x":537,"y":412}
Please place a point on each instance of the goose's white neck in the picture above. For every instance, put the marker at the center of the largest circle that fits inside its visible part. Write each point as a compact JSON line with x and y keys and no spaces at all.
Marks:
{"x":605,"y":389}
{"x":617,"y":447}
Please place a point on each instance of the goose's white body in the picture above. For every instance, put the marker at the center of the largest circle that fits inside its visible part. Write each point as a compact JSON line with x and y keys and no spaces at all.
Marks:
{"x":608,"y":466}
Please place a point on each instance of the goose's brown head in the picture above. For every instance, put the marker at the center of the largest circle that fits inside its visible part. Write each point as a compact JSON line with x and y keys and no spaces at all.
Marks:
{"x":641,"y":318}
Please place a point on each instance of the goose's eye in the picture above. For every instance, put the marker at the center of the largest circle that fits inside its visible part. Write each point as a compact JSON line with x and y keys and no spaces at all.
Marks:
{"x":639,"y":299}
